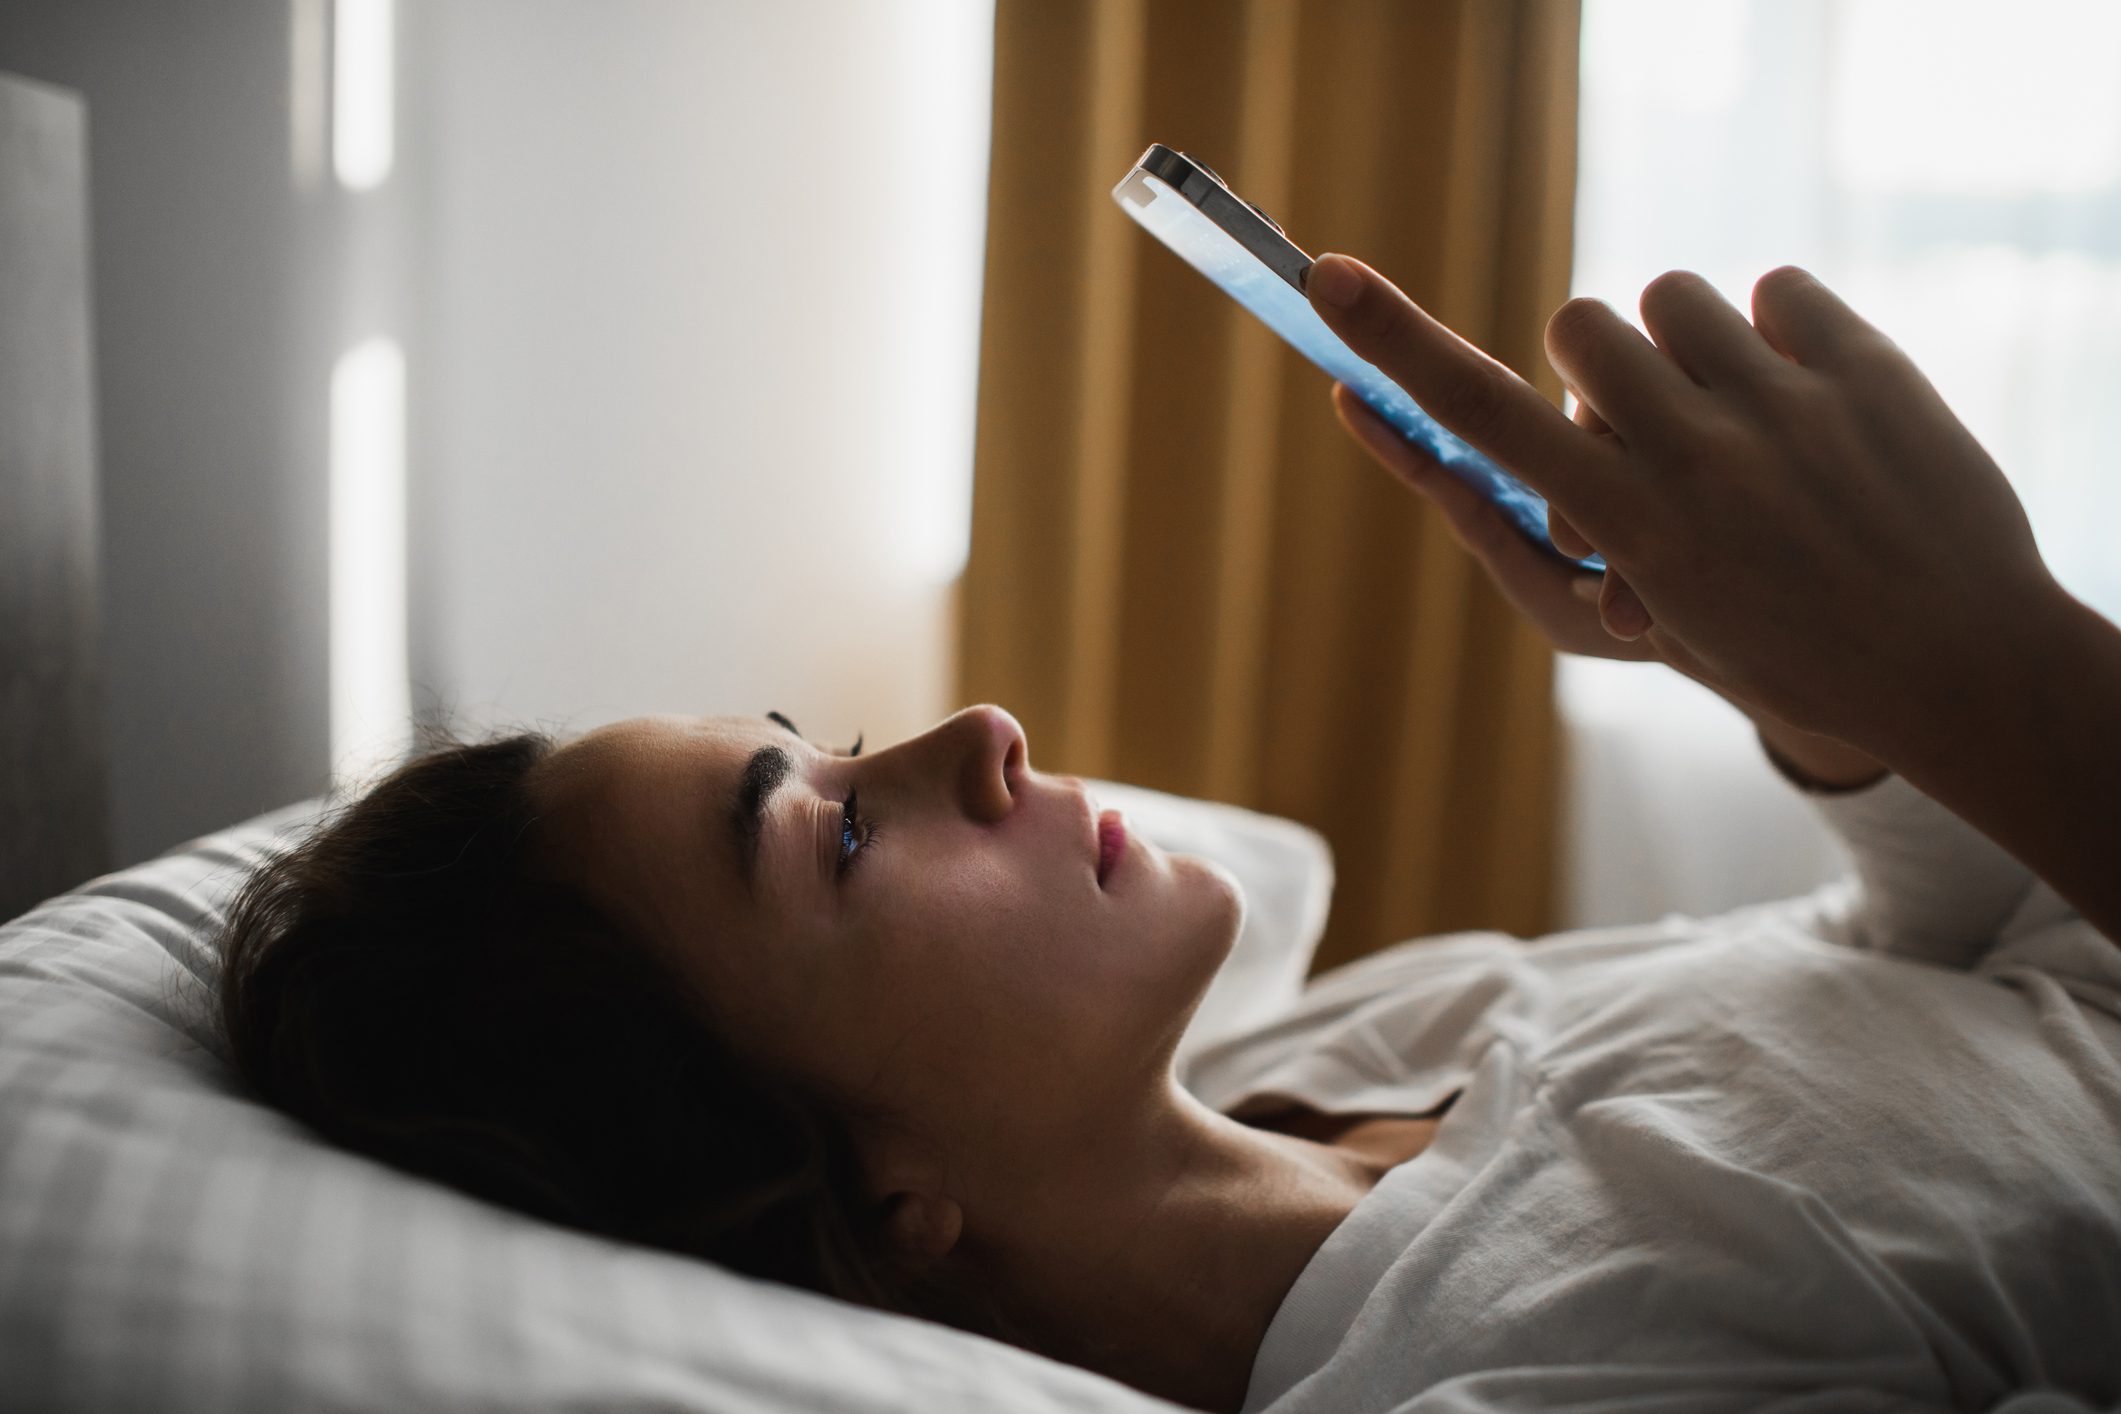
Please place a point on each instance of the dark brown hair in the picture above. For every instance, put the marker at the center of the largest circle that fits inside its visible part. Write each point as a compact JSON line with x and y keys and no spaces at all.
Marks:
{"x":408,"y":982}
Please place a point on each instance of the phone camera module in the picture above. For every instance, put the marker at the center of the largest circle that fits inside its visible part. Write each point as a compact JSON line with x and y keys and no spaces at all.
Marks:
{"x":1205,"y":168}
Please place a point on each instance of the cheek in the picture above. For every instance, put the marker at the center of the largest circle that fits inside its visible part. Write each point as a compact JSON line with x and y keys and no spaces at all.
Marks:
{"x":971,"y":930}
{"x":979,"y":992}
{"x":958,"y":967}
{"x":1037,"y":957}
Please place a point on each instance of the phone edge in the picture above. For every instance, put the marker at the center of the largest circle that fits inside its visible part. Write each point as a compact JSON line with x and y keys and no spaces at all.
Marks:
{"x":1215,"y":199}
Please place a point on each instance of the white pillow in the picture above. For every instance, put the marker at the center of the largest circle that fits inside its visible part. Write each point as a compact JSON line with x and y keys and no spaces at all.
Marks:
{"x":1286,"y":873}
{"x":168,"y":1243}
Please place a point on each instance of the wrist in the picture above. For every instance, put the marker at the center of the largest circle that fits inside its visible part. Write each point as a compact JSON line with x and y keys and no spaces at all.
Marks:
{"x":2016,"y":683}
{"x":2024,"y":753}
{"x":1815,"y":763}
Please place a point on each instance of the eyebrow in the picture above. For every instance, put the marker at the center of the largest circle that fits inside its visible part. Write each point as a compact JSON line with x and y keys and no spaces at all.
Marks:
{"x":766,"y":771}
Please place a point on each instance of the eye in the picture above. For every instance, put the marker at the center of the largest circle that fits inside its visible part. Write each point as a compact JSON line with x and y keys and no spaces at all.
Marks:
{"x":853,"y":825}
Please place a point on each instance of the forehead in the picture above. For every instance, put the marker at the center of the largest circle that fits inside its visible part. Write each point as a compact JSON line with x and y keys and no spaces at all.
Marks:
{"x":620,"y":763}
{"x":638,"y":801}
{"x":671,"y":732}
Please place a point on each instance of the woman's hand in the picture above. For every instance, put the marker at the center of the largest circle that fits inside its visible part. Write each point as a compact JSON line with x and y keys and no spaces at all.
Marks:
{"x":1560,"y":600}
{"x":1572,"y":608}
{"x":1792,"y":506}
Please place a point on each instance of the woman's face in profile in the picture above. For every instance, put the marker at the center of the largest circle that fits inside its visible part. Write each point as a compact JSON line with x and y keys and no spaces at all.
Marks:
{"x":947,"y":949}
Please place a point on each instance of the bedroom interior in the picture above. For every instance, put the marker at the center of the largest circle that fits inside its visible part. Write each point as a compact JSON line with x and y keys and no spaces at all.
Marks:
{"x":369,"y":367}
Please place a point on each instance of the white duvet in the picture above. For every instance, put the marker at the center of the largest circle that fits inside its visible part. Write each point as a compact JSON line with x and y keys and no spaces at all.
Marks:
{"x":1848,"y":1153}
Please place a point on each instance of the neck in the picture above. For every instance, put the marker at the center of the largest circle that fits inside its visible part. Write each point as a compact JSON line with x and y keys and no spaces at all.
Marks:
{"x":1159,"y":1252}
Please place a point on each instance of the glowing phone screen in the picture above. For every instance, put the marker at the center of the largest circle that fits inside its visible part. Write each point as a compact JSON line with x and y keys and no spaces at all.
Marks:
{"x":1245,"y":278}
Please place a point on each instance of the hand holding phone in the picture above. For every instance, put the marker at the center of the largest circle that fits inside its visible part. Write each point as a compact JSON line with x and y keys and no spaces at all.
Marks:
{"x":1795,"y":506}
{"x":1556,"y":597}
{"x":1790,"y":501}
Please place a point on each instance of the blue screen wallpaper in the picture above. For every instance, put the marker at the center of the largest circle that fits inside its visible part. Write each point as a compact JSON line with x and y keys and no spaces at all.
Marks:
{"x":1203,"y":245}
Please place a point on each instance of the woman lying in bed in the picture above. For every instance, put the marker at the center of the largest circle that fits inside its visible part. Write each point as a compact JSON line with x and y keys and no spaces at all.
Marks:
{"x":899,"y":1026}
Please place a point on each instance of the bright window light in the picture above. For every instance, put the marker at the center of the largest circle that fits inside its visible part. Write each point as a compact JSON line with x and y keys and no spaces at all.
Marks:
{"x":1952,"y":168}
{"x":1969,"y":96}
{"x":363,"y":83}
{"x":371,"y":691}
{"x":1690,"y":54}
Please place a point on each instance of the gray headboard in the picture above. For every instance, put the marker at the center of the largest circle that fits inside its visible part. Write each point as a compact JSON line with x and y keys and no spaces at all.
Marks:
{"x":54,"y":826}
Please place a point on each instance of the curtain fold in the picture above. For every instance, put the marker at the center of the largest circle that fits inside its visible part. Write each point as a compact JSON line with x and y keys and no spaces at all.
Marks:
{"x":1183,"y":573}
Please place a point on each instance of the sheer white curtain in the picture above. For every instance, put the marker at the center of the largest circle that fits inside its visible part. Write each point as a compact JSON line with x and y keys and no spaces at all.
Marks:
{"x":1953,"y":168}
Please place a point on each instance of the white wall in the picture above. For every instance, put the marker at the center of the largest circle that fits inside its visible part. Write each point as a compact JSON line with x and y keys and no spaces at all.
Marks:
{"x":692,"y":385}
{"x":214,"y":293}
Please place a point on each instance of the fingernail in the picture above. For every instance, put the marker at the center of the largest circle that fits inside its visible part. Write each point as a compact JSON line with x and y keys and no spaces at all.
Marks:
{"x":1336,"y":279}
{"x":1626,"y":618}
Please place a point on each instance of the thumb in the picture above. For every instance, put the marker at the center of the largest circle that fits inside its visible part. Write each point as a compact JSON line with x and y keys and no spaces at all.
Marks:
{"x":1620,"y":608}
{"x":1566,"y":537}
{"x":1411,"y":464}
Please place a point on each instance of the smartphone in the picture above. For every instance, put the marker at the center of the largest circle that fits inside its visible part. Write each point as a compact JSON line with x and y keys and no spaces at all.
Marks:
{"x":1181,"y":202}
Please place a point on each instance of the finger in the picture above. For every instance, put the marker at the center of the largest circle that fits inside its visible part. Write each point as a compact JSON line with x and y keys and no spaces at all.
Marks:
{"x":1460,"y":503}
{"x":1540,"y":585}
{"x":1587,"y":416}
{"x":1458,"y":385}
{"x":1597,"y":589}
{"x":1565,"y":536}
{"x":1704,"y":333}
{"x":1638,"y":391}
{"x":1621,"y":610}
{"x":1808,"y":323}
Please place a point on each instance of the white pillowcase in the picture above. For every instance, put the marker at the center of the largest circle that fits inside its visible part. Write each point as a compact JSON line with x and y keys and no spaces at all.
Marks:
{"x":166,"y":1242}
{"x":1285,"y":871}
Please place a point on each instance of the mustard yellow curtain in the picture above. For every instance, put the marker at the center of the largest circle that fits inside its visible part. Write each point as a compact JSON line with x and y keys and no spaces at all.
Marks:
{"x":1183,"y":574}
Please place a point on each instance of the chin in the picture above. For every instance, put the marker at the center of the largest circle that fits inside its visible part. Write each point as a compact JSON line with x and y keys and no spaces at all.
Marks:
{"x":1214,"y":901}
{"x":1206,"y":911}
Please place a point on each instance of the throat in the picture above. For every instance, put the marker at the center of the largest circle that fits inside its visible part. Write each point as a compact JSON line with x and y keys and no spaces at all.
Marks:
{"x":1386,"y":1140}
{"x":1163,"y":1262}
{"x":1368,"y":1147}
{"x":1175,"y":1298}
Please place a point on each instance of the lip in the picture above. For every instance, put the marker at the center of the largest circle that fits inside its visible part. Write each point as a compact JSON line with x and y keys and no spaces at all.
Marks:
{"x":1111,"y":843}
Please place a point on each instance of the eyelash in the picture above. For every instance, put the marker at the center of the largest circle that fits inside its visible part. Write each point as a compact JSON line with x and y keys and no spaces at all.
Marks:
{"x":851,"y":821}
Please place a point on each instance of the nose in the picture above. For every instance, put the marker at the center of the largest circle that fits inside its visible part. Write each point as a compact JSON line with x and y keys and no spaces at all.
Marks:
{"x":995,"y":757}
